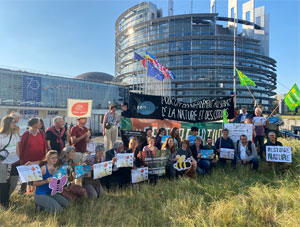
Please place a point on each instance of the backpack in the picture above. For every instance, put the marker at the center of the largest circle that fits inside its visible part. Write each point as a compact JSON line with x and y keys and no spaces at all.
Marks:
{"x":249,"y":146}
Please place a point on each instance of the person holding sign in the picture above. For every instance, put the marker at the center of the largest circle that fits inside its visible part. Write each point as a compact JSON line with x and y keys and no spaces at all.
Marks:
{"x":9,"y":151}
{"x":134,"y":148}
{"x":246,"y":152}
{"x":203,"y":165}
{"x":93,"y":186}
{"x":185,"y":150}
{"x":56,"y":135}
{"x":176,"y":137}
{"x":149,"y":133}
{"x":110,"y":129}
{"x":191,"y":138}
{"x":225,"y":142}
{"x":43,"y":197}
{"x":170,"y":147}
{"x":161,"y":132}
{"x":260,"y":123}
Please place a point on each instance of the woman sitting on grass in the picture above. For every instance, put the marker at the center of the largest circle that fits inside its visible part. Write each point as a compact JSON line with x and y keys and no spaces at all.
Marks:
{"x":185,"y":150}
{"x":169,"y":146}
{"x":134,"y":148}
{"x":92,"y":186}
{"x":43,"y":197}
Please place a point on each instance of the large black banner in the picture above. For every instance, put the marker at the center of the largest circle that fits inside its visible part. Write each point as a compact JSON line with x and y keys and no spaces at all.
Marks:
{"x":164,"y":107}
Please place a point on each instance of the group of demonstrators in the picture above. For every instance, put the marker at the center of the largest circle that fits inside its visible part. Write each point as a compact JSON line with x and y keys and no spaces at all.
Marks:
{"x":61,"y":148}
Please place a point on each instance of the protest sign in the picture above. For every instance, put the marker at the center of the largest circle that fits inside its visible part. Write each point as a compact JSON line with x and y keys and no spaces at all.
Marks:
{"x":102,"y":169}
{"x":259,"y":121}
{"x":62,"y":171}
{"x":182,"y":163}
{"x":126,"y":135}
{"x":206,"y":154}
{"x":226,"y":153}
{"x":237,"y":129}
{"x":157,"y":164}
{"x":57,"y":185}
{"x":139,"y":175}
{"x":79,"y":108}
{"x":30,"y":173}
{"x":124,"y":160}
{"x":278,"y":154}
{"x":82,"y":171}
{"x":166,"y":107}
{"x":91,"y":147}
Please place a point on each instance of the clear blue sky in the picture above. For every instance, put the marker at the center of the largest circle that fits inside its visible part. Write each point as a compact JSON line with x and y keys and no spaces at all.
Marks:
{"x":72,"y":37}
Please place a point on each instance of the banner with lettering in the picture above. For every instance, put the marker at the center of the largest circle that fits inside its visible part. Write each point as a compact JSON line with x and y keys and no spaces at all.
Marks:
{"x":166,"y":107}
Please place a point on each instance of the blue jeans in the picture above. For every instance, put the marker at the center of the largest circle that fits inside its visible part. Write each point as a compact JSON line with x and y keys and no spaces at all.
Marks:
{"x":203,"y":166}
{"x":222,"y":162}
{"x":254,"y":161}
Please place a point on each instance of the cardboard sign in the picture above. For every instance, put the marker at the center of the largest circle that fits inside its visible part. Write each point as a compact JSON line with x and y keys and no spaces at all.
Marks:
{"x":57,"y":185}
{"x":278,"y":154}
{"x":182,"y":163}
{"x":79,"y":108}
{"x":139,"y":175}
{"x":227,"y":153}
{"x":102,"y":169}
{"x":62,"y":171}
{"x":157,"y":164}
{"x":206,"y":154}
{"x":125,"y":160}
{"x":259,"y":121}
{"x":237,"y":129}
{"x":82,"y":171}
{"x":30,"y":173}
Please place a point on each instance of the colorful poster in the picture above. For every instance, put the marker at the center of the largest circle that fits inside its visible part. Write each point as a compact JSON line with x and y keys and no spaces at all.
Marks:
{"x":82,"y":171}
{"x":237,"y":129}
{"x":226,"y":153}
{"x":207,"y":154}
{"x":279,"y":154}
{"x":125,"y":160}
{"x":211,"y":129}
{"x":259,"y":121}
{"x":182,"y":163}
{"x":102,"y":169}
{"x":79,"y":108}
{"x":30,"y":173}
{"x":163,"y":139}
{"x":57,"y":185}
{"x":62,"y":171}
{"x":139,"y":175}
{"x":157,"y":164}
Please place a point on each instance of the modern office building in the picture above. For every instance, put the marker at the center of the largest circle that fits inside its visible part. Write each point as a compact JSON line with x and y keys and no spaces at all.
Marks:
{"x":199,"y":49}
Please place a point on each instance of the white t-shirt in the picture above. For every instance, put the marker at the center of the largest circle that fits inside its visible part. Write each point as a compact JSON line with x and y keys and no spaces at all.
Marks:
{"x":12,"y":147}
{"x":243,"y":150}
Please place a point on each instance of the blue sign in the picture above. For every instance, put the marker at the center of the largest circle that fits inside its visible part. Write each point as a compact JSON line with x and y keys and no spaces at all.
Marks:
{"x":32,"y":88}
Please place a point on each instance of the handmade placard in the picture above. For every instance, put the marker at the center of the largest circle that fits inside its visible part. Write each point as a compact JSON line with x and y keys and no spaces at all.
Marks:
{"x":259,"y":121}
{"x":62,"y":171}
{"x":91,"y":147}
{"x":102,"y":169}
{"x":278,"y":154}
{"x":182,"y":163}
{"x":139,"y":175}
{"x":237,"y":129}
{"x":125,"y":160}
{"x":157,"y":164}
{"x":57,"y":185}
{"x":30,"y":173}
{"x":82,"y":171}
{"x":206,"y":154}
{"x":227,"y":153}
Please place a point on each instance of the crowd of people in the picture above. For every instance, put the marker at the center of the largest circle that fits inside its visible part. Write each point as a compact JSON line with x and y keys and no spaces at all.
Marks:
{"x":62,"y":146}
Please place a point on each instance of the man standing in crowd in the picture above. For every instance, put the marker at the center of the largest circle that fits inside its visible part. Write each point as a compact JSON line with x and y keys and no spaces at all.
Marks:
{"x":56,"y":135}
{"x":225,"y":142}
{"x":246,"y":152}
{"x":125,"y":112}
{"x":242,"y":116}
{"x":80,"y":136}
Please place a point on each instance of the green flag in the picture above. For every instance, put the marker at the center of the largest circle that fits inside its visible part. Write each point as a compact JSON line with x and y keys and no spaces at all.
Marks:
{"x":292,"y":99}
{"x":225,"y":119}
{"x":244,"y":79}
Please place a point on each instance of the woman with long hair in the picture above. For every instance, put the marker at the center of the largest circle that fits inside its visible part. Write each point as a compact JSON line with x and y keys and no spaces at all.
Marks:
{"x":134,"y":148}
{"x":43,"y":197}
{"x":176,"y":137}
{"x":170,"y":147}
{"x":110,"y":129}
{"x":9,"y":157}
{"x":42,"y":126}
{"x":161,"y":132}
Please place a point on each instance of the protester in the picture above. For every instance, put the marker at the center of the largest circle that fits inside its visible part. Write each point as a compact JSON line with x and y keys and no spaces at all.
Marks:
{"x":209,"y":146}
{"x":225,"y":142}
{"x":236,"y":116}
{"x":191,"y":138}
{"x":125,"y":112}
{"x":43,"y":197}
{"x":246,"y":152}
{"x":80,"y":136}
{"x":56,"y":135}
{"x":260,"y":123}
{"x":176,"y":137}
{"x":110,"y":129}
{"x":203,"y":165}
{"x":161,"y":132}
{"x":249,"y":121}
{"x":185,"y":150}
{"x":16,"y":116}
{"x":169,"y":146}
{"x":9,"y":142}
{"x":149,"y":133}
{"x":42,"y":126}
{"x":134,"y":148}
{"x":33,"y":146}
{"x":92,"y":186}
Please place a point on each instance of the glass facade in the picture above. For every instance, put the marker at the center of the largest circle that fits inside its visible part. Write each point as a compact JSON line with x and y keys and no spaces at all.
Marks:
{"x":197,"y":49}
{"x":19,"y":88}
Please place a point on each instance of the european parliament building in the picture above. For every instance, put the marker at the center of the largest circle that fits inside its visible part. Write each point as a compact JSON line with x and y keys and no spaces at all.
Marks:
{"x":199,"y":49}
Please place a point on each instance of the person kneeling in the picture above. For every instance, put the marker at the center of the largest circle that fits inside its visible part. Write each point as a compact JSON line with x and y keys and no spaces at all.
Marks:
{"x":246,"y":152}
{"x":43,"y":197}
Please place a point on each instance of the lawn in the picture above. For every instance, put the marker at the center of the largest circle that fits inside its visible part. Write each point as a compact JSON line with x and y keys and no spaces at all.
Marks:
{"x":226,"y":197}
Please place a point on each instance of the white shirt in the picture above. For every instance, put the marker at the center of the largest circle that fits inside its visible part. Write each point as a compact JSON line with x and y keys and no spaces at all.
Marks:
{"x":243,"y":150}
{"x":12,"y":147}
{"x":243,"y":117}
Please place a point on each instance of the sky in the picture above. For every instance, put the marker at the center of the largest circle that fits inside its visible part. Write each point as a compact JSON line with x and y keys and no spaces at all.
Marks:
{"x":70,"y":37}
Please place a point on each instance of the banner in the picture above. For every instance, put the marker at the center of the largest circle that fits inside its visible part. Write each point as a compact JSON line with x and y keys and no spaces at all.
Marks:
{"x":30,"y":173}
{"x":79,"y":108}
{"x":211,"y":129}
{"x":165,"y":107}
{"x":237,"y":129}
{"x":279,"y":154}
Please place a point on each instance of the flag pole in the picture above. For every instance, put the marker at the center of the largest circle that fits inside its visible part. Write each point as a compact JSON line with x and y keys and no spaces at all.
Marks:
{"x":273,"y":110}
{"x":234,"y":61}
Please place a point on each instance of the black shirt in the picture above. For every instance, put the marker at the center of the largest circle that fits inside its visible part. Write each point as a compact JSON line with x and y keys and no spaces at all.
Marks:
{"x":277,"y":143}
{"x":125,"y":113}
{"x":54,"y":145}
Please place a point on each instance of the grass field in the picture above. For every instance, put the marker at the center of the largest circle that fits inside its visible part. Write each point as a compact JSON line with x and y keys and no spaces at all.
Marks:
{"x":226,"y":197}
